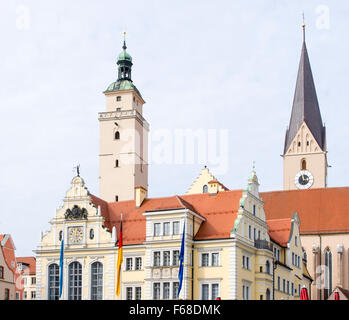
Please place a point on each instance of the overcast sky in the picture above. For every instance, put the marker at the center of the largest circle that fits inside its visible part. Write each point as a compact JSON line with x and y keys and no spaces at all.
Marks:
{"x":224,"y":65}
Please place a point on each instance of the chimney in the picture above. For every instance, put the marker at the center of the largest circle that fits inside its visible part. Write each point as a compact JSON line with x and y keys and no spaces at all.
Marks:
{"x":141,"y":194}
{"x":213,"y":186}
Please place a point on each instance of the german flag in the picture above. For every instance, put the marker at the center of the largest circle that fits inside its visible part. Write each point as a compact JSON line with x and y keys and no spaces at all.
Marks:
{"x":120,"y":258}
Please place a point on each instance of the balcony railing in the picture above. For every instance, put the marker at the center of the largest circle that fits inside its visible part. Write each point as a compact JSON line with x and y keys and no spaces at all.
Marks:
{"x":263,"y":244}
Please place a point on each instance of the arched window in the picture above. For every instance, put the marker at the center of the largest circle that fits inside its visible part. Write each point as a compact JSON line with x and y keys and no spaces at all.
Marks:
{"x":60,"y":235}
{"x":92,"y":234}
{"x":96,"y":281}
{"x":53,"y":282}
{"x":117,"y":135}
{"x":328,"y":273}
{"x":304,"y":164}
{"x":267,"y":267}
{"x":75,"y":281}
{"x":205,"y":189}
{"x":268,"y":294}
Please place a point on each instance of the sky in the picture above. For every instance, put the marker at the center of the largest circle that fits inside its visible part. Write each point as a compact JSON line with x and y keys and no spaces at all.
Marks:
{"x":223,"y":67}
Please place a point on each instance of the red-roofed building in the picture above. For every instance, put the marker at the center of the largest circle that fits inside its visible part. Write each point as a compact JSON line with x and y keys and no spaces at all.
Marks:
{"x":27,"y":267}
{"x":11,"y":285}
{"x":231,"y":250}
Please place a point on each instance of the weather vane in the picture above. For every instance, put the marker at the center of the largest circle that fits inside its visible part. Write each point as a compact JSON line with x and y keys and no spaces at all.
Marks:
{"x":77,"y":169}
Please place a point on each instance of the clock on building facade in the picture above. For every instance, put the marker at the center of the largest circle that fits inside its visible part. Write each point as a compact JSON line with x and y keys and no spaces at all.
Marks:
{"x":75,"y":235}
{"x":304,"y":179}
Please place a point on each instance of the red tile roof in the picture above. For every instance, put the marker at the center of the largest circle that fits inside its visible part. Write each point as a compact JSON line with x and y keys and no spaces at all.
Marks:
{"x":323,"y":210}
{"x":320,"y":211}
{"x":31,"y":262}
{"x":279,"y":230}
{"x":218,"y":210}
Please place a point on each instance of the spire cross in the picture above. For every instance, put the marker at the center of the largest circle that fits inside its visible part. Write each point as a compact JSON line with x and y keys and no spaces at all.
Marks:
{"x":303,"y":26}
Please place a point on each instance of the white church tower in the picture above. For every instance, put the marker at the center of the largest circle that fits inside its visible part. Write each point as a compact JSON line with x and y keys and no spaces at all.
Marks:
{"x":123,"y":156}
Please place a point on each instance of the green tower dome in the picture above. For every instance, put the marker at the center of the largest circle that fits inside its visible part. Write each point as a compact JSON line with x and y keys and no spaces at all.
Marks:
{"x":124,"y":56}
{"x":124,"y":80}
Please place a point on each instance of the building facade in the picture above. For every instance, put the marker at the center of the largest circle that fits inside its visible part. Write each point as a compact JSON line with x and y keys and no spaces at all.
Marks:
{"x":27,"y":267}
{"x":11,"y":284}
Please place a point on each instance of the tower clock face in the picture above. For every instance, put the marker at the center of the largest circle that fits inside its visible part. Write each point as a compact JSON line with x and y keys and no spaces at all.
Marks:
{"x":304,"y":179}
{"x":75,"y":235}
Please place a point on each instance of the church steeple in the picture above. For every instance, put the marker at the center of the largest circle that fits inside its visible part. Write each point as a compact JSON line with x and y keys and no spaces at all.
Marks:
{"x":305,"y":104}
{"x":305,"y":154}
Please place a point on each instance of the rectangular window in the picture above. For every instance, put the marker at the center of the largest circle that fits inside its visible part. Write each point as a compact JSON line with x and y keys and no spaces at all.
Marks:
{"x":243,"y":262}
{"x":284,"y":285}
{"x":138,"y":263}
{"x":157,"y":258}
{"x":204,"y":292}
{"x":175,"y":259}
{"x":292,"y":288}
{"x":254,"y":209}
{"x":247,"y":263}
{"x":156,"y":229}
{"x":166,"y":290}
{"x":245,"y":292}
{"x":279,"y":283}
{"x":299,"y":290}
{"x":129,"y":264}
{"x":204,"y":260}
{"x":7,"y":294}
{"x":215,"y":291}
{"x":175,"y":290}
{"x":176,"y":227}
{"x":17,"y":295}
{"x":1,"y":272}
{"x":129,"y":293}
{"x":33,"y":294}
{"x":293,"y":258}
{"x":138,"y":293}
{"x":166,"y":228}
{"x":296,"y":241}
{"x":215,"y":259}
{"x":254,"y":234}
{"x":299,"y":259}
{"x":33,"y":280}
{"x":25,"y":294}
{"x":166,"y":256}
{"x":249,"y":232}
{"x":156,"y":290}
{"x":288,"y":287}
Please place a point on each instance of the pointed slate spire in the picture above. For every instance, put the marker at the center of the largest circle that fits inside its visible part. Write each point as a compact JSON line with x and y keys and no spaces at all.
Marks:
{"x":305,"y":104}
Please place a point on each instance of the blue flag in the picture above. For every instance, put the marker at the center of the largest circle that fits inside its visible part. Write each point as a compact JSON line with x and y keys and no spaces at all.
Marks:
{"x":61,"y":269}
{"x":181,"y":263}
